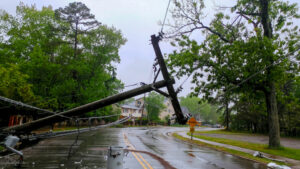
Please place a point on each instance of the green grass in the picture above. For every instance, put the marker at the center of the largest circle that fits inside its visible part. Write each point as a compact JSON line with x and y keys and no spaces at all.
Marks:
{"x":282,"y":151}
{"x":117,"y":126}
{"x":1,"y":148}
{"x":227,"y":150}
{"x":234,"y":132}
{"x":223,"y":131}
{"x":65,"y":129}
{"x":179,"y":125}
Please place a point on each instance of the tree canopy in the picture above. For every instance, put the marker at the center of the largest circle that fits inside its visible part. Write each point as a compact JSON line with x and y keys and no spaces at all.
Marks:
{"x":57,"y":64}
{"x":154,"y":103}
{"x":200,"y":109}
{"x":248,"y":49}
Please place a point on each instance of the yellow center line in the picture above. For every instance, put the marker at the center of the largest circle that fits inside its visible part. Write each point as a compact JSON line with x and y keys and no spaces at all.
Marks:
{"x":133,"y":153}
{"x":142,"y":164}
{"x":138,"y":154}
{"x":145,"y":161}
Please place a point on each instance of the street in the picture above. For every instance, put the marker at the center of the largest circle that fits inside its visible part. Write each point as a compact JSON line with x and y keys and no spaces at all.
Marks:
{"x":90,"y":151}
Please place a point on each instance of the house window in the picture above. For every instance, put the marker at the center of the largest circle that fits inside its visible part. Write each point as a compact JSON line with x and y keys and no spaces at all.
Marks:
{"x":125,"y":110}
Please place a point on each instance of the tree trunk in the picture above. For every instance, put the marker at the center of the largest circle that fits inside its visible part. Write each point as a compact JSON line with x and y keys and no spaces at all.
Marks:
{"x":274,"y":131}
{"x":76,"y":40}
{"x":227,"y":116}
{"x":74,"y":72}
{"x":270,"y":92}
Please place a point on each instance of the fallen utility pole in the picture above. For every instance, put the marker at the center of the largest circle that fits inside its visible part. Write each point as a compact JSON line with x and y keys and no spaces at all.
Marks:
{"x":172,"y":94}
{"x":27,"y":127}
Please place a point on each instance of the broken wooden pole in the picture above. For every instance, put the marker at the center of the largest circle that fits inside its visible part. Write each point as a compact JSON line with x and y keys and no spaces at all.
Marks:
{"x":173,"y":95}
{"x":27,"y":127}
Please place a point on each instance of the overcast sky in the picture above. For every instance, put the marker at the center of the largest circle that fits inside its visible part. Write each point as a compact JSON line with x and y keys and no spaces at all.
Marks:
{"x":137,"y":20}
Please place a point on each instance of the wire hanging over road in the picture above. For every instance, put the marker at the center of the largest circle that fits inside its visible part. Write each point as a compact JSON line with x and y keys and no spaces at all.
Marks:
{"x":75,"y":131}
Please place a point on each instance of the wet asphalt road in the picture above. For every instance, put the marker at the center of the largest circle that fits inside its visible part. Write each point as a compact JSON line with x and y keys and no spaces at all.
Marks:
{"x":90,"y":151}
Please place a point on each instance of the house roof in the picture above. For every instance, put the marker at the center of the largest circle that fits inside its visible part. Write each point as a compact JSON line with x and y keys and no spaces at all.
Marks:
{"x":130,"y":107}
{"x":139,"y":98}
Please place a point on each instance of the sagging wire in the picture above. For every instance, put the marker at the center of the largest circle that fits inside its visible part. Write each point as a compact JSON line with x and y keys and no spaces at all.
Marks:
{"x":258,"y":72}
{"x":248,"y":78}
{"x":143,"y":107}
{"x":180,"y":88}
{"x":76,"y":140}
{"x":10,"y":161}
{"x":46,"y":98}
{"x":97,"y":117}
{"x":154,"y":70}
{"x":78,"y":133}
{"x":81,"y":130}
{"x":135,"y":84}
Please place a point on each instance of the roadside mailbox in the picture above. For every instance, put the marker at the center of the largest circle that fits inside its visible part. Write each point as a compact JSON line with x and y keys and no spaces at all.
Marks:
{"x":192,"y":122}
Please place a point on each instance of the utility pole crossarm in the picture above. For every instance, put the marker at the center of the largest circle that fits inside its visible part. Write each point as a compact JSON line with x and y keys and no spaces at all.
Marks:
{"x":173,"y":96}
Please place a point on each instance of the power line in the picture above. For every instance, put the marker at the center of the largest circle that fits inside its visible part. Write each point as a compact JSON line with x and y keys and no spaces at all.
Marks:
{"x":46,"y":98}
{"x":260,"y":71}
{"x":253,"y":75}
{"x":131,"y":85}
{"x":76,"y":131}
{"x":135,"y":84}
{"x":179,"y":89}
{"x":98,"y":117}
{"x":75,"y":141}
{"x":162,"y":27}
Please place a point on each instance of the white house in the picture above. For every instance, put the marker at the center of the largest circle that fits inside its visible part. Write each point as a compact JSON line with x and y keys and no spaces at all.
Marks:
{"x":167,"y":111}
{"x":131,"y":109}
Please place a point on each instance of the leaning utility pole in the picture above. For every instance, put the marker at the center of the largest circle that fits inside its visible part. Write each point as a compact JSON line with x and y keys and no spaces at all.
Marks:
{"x":163,"y":68}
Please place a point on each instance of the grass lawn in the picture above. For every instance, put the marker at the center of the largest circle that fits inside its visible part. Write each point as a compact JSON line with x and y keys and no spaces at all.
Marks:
{"x":65,"y":128}
{"x":179,"y":125}
{"x":233,"y":132}
{"x":282,"y":151}
{"x":227,"y":150}
{"x":1,"y":148}
{"x":223,"y":131}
